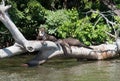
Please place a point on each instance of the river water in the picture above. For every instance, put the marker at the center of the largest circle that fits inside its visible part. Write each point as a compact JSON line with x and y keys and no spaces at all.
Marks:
{"x":59,"y":70}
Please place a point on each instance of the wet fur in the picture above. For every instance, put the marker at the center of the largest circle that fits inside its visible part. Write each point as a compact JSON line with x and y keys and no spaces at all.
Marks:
{"x":73,"y":42}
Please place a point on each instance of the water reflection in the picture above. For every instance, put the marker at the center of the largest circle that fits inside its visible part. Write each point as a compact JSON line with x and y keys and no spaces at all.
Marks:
{"x":60,"y":70}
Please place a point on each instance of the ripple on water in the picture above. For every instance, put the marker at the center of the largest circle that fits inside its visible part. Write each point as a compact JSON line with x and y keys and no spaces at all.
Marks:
{"x":59,"y":70}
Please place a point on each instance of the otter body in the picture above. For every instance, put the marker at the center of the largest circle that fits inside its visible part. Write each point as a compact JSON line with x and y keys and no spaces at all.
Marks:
{"x":73,"y":42}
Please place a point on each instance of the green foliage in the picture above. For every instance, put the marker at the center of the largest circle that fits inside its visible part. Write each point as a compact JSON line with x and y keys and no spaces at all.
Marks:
{"x":46,"y":3}
{"x":54,"y":19}
{"x":117,"y":3}
{"x":34,"y":11}
{"x":27,"y":16}
{"x":85,"y":31}
{"x":67,"y":28}
{"x":34,"y":16}
{"x":72,"y":21}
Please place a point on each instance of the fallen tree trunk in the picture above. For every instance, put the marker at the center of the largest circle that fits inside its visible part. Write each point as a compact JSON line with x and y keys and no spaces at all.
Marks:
{"x":51,"y":49}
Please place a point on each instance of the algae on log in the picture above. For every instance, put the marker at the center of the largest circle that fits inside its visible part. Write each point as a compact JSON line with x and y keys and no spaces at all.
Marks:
{"x":50,"y":49}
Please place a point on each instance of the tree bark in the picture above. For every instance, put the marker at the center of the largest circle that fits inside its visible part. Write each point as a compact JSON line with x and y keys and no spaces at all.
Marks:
{"x":51,"y":49}
{"x":111,"y":5}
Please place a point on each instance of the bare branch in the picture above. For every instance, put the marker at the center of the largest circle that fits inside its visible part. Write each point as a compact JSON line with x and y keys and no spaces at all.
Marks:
{"x":3,"y":9}
{"x":3,"y":3}
{"x":4,"y":32}
{"x":97,"y":21}
{"x":110,"y":34}
{"x":102,"y":15}
{"x":109,"y":23}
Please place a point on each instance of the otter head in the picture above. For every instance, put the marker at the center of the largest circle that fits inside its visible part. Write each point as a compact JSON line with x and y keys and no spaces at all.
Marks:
{"x":42,"y":31}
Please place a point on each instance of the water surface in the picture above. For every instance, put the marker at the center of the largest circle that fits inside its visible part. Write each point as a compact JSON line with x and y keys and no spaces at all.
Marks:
{"x":59,"y":70}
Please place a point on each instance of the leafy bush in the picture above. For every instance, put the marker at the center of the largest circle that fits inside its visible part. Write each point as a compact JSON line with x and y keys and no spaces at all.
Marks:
{"x":68,"y":27}
{"x":67,"y":23}
{"x":54,"y":19}
{"x":84,"y":29}
{"x":28,"y":15}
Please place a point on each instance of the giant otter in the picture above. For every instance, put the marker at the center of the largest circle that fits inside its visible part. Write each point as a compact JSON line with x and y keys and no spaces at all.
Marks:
{"x":72,"y":42}
{"x":42,"y":35}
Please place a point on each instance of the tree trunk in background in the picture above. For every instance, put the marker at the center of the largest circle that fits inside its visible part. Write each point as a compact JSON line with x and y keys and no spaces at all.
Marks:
{"x":111,"y":5}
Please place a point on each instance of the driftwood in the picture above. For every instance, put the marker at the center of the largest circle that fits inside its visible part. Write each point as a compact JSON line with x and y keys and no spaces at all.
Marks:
{"x":51,"y":49}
